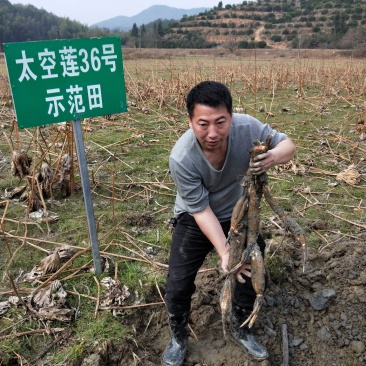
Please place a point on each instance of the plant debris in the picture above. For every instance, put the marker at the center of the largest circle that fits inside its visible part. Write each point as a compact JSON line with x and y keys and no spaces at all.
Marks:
{"x":351,"y":175}
{"x":20,"y":164}
{"x":113,"y":295}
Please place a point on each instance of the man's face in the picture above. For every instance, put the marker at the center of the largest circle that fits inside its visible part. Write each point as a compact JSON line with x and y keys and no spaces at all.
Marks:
{"x":211,"y":126}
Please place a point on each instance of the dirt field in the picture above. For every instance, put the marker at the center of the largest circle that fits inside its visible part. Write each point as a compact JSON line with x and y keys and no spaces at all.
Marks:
{"x":323,"y":309}
{"x":335,"y":335}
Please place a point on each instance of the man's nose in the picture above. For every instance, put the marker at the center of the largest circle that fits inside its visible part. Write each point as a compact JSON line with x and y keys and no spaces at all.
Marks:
{"x":212,"y":130}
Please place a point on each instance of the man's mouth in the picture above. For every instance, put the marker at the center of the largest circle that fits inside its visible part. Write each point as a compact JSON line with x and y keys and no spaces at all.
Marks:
{"x":212,"y":142}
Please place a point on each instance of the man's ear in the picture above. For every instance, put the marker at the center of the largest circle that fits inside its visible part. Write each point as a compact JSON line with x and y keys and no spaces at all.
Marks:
{"x":189,"y":121}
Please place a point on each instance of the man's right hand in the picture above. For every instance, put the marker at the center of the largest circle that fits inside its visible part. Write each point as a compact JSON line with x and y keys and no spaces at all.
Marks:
{"x":225,"y":259}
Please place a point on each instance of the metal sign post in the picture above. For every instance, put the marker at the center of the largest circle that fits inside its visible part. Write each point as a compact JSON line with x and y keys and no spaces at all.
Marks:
{"x":68,"y":80}
{"x":79,"y":142}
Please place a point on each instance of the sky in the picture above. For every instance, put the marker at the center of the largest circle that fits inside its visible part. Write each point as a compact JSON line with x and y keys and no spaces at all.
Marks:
{"x":93,"y":11}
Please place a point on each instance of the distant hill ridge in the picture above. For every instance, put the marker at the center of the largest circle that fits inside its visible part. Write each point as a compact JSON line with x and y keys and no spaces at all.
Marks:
{"x":251,"y":24}
{"x":148,"y":15}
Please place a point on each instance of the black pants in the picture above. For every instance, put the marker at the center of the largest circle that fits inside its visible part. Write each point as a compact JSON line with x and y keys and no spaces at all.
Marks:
{"x":188,"y":251}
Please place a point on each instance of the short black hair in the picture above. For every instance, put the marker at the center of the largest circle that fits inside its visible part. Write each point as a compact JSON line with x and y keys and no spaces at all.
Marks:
{"x":210,"y":93}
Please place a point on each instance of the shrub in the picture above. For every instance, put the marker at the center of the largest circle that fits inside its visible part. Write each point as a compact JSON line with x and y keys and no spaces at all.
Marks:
{"x":261,"y":44}
{"x":353,"y":23}
{"x":276,"y":38}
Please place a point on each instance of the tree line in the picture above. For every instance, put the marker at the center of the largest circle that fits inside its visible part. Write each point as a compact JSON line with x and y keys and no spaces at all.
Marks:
{"x":152,"y":35}
{"x":21,"y":23}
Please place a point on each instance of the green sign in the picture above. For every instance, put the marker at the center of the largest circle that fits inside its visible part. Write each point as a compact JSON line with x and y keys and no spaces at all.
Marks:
{"x":65,"y":80}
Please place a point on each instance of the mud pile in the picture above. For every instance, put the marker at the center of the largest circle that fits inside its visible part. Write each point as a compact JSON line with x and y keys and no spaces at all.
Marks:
{"x":323,"y":311}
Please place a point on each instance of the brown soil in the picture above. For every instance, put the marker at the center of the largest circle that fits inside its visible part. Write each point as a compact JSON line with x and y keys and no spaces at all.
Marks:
{"x":335,"y":335}
{"x":257,"y":33}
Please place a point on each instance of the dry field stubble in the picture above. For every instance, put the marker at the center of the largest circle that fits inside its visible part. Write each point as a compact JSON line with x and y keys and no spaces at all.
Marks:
{"x":316,"y":97}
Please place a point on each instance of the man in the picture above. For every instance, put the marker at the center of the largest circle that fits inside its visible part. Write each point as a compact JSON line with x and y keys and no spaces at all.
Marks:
{"x":206,"y":163}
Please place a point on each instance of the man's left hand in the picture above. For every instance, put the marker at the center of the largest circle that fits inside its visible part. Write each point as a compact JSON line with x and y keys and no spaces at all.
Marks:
{"x":244,"y":270}
{"x":261,"y":163}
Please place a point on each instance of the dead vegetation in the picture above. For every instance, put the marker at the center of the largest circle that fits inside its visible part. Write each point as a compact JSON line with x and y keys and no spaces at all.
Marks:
{"x":46,"y":266}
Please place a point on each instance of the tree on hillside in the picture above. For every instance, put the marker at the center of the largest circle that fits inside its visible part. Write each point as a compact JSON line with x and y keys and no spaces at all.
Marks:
{"x":142,"y":36}
{"x":134,"y":30}
{"x":134,"y":36}
{"x":339,"y":22}
{"x":354,"y":38}
{"x":159,"y":28}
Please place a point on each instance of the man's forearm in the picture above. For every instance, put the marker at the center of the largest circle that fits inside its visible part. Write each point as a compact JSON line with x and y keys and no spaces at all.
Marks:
{"x":210,"y":226}
{"x":283,"y":152}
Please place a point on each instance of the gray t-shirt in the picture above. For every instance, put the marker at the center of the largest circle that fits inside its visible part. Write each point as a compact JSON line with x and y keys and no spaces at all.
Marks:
{"x":199,"y":184}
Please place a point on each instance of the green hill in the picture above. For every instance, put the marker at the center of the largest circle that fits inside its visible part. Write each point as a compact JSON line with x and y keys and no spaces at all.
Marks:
{"x":260,"y":24}
{"x":276,"y":23}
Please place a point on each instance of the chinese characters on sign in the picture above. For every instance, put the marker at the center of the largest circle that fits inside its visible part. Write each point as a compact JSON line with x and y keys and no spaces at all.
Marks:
{"x":64,"y":80}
